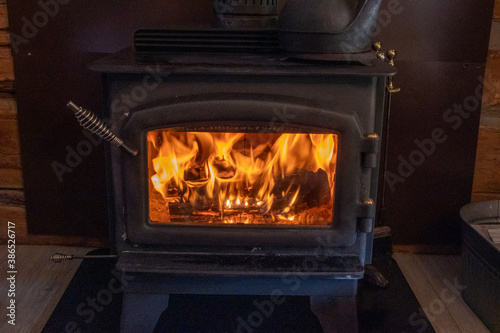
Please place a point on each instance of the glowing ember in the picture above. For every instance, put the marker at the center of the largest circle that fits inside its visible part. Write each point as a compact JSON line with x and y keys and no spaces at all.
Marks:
{"x":248,"y":178}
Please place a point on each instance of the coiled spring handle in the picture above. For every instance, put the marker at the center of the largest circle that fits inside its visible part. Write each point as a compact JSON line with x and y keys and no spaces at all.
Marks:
{"x":92,"y":123}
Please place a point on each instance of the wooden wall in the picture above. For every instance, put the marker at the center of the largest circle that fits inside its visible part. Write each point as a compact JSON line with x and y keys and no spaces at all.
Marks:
{"x":11,"y":183}
{"x":487,"y":172}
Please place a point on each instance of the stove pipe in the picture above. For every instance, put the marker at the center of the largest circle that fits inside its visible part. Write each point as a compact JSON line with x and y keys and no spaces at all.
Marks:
{"x":246,"y":14}
{"x":328,"y":26}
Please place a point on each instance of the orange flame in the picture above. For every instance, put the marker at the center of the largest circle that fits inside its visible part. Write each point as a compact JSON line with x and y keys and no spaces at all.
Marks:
{"x":237,"y":170}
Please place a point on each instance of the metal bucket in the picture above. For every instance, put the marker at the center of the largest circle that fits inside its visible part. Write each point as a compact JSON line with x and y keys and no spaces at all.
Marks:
{"x":481,"y":260}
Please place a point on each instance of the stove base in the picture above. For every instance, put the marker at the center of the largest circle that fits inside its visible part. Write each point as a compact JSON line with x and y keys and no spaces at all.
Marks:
{"x":292,"y":284}
{"x":150,"y":308}
{"x":333,"y":301}
{"x":335,"y":314}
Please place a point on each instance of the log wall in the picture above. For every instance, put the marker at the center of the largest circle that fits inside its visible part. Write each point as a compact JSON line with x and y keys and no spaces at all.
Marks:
{"x":11,"y":183}
{"x":487,"y":171}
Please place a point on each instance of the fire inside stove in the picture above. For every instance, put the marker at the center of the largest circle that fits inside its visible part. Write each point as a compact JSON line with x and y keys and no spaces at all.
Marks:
{"x":214,"y":178}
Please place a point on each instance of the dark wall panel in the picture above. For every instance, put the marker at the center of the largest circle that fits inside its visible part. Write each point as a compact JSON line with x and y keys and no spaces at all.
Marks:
{"x":431,"y":152}
{"x":50,"y":54}
{"x":442,"y":49}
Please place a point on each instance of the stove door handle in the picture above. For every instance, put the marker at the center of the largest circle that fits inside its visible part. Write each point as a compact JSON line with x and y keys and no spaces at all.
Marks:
{"x":92,"y":123}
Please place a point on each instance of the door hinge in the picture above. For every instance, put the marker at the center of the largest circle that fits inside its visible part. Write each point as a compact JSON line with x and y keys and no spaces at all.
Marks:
{"x":366,"y":213}
{"x":370,"y":148}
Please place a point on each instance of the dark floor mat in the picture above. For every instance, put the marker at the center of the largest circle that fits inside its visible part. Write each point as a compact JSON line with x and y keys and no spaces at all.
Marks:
{"x":92,"y":303}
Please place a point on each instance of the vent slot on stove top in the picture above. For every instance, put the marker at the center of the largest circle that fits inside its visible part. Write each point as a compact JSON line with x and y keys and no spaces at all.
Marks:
{"x":216,"y":41}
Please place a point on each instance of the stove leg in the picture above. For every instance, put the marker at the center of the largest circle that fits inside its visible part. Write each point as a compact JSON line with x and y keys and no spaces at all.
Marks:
{"x":140,"y":312}
{"x":336,"y":314}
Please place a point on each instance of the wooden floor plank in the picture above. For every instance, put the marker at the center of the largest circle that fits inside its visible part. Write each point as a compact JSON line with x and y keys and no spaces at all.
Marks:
{"x":441,"y":321}
{"x":445,"y":275}
{"x":39,"y":285}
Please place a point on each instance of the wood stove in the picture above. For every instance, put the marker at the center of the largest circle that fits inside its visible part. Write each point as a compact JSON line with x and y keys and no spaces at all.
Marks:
{"x":246,"y":170}
{"x":252,"y":169}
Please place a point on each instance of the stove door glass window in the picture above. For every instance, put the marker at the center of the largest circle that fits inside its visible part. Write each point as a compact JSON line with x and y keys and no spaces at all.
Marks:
{"x":267,"y":179}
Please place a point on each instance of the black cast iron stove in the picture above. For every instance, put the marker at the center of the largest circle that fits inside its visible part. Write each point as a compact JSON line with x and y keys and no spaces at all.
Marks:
{"x":248,"y":170}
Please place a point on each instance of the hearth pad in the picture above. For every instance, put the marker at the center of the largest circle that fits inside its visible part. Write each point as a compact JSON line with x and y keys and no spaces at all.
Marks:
{"x":92,"y":302}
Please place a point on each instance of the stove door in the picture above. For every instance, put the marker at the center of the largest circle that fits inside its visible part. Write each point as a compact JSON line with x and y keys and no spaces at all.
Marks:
{"x":246,"y":172}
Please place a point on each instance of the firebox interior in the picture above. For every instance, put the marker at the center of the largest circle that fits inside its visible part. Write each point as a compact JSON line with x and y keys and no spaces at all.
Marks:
{"x":222,"y":178}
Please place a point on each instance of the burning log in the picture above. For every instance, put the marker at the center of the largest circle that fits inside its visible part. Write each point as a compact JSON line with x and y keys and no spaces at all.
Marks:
{"x":313,"y":187}
{"x":206,"y":213}
{"x":184,"y":213}
{"x":224,"y":168}
{"x":180,"y":208}
{"x":195,"y":174}
{"x":304,"y":193}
